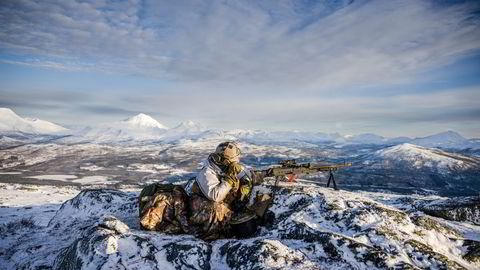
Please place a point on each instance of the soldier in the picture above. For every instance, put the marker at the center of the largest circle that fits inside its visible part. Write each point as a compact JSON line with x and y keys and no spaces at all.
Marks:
{"x":208,"y":204}
{"x":221,"y":188}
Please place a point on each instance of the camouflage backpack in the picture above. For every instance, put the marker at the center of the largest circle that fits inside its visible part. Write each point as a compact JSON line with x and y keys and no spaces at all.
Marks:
{"x":163,"y":207}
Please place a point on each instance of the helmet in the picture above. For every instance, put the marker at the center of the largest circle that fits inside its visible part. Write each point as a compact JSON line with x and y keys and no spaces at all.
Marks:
{"x":228,"y":150}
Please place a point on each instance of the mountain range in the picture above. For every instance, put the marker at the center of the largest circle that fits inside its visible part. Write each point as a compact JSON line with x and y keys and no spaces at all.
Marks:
{"x":143,"y":127}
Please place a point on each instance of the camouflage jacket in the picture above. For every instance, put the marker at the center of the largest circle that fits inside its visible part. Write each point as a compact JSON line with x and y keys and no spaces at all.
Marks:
{"x":216,"y":184}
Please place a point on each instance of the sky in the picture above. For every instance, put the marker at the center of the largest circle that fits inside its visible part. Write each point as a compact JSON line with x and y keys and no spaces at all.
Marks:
{"x":394,"y":68}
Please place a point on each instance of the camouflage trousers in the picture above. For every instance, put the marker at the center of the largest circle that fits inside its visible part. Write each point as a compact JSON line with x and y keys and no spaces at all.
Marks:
{"x":209,"y":220}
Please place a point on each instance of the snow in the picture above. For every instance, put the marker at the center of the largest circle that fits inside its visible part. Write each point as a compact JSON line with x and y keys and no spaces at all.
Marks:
{"x":144,"y":121}
{"x":92,"y":168}
{"x":357,"y":226}
{"x":142,"y":127}
{"x":367,"y":138}
{"x":10,"y":121}
{"x":32,"y":201}
{"x":57,"y":177}
{"x":151,"y":168}
{"x":420,"y":156}
{"x":93,"y":180}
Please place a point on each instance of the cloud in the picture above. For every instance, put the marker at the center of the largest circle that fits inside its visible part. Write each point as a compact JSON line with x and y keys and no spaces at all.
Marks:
{"x":318,"y":46}
{"x":260,"y":64}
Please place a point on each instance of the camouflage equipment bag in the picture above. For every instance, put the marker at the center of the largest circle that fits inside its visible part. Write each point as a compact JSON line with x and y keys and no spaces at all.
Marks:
{"x":163,"y":207}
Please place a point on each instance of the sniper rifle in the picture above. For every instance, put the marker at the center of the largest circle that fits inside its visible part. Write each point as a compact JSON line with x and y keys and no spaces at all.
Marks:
{"x":290,"y":169}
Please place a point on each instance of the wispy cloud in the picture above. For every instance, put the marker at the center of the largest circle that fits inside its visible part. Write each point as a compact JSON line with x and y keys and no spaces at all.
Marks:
{"x":263,"y":63}
{"x":319,"y":45}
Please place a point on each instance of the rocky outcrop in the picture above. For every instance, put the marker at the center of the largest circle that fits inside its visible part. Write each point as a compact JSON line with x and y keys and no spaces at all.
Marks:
{"x":314,"y":228}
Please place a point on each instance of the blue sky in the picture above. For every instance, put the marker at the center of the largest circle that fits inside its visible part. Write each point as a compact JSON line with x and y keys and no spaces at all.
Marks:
{"x":389,"y":67}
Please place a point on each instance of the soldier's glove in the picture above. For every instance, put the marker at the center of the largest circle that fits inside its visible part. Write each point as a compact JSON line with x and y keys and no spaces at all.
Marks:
{"x":231,"y":182}
{"x":245,"y":184}
{"x":231,"y":175}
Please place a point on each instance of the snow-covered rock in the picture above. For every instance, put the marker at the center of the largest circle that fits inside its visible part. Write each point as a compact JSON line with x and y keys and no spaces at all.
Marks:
{"x":314,"y":228}
{"x":11,"y":122}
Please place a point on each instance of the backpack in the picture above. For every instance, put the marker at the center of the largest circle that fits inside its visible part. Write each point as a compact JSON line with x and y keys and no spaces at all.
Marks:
{"x":163,"y":207}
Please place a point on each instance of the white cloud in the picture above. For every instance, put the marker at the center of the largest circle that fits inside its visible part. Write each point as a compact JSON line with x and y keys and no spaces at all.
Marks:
{"x":362,"y":43}
{"x":290,"y":58}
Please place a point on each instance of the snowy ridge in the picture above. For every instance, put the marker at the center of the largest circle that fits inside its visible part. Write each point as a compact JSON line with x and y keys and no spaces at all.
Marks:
{"x":11,"y":122}
{"x":420,"y":157}
{"x":313,"y":228}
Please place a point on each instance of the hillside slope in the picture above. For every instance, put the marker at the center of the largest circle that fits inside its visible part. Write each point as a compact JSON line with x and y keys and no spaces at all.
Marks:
{"x":314,"y":228}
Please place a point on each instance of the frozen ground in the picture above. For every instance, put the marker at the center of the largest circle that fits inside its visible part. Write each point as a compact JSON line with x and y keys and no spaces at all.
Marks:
{"x":405,"y":221}
{"x":314,"y":228}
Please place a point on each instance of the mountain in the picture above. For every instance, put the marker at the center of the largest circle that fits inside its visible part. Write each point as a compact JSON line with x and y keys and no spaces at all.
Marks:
{"x":261,"y":136}
{"x":187,"y":127}
{"x":366,"y":138}
{"x":420,"y":157}
{"x":143,"y":121}
{"x":11,"y":122}
{"x":409,"y":168}
{"x":140,"y":127}
{"x":448,"y":139}
{"x":399,"y":140}
{"x":185,"y":130}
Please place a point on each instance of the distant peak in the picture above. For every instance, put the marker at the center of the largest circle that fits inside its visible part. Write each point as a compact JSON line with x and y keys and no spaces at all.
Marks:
{"x":188,"y":123}
{"x":10,"y":121}
{"x":446,"y":135}
{"x":190,"y":126}
{"x":144,"y":120}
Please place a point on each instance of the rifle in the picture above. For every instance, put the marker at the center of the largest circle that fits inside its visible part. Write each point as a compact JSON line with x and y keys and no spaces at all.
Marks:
{"x":290,"y":168}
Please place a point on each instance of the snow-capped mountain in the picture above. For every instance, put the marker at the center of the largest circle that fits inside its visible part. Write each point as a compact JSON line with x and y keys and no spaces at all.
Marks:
{"x":143,"y":121}
{"x":420,"y":157}
{"x":11,"y":122}
{"x":187,"y":127}
{"x":186,"y":130}
{"x":140,"y":127}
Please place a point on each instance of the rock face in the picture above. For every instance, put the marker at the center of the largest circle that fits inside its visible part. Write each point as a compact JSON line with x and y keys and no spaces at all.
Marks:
{"x":314,"y":228}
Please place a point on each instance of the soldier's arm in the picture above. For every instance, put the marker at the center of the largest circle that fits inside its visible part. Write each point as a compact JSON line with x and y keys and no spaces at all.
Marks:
{"x":211,"y":186}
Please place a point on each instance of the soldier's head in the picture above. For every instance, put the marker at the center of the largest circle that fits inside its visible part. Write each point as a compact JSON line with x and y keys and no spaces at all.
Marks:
{"x":228,"y":151}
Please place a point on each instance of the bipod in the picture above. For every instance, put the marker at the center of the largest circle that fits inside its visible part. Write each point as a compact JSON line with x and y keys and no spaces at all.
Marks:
{"x":331,"y":178}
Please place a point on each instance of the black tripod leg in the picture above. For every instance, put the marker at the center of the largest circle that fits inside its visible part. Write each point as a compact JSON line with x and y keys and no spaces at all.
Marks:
{"x":329,"y":179}
{"x":333,"y":180}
